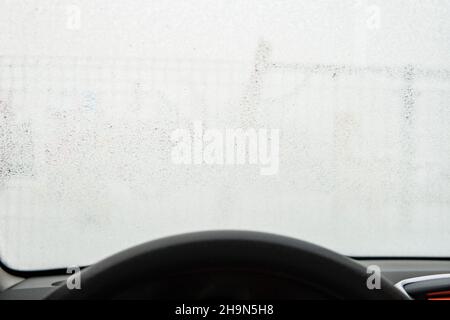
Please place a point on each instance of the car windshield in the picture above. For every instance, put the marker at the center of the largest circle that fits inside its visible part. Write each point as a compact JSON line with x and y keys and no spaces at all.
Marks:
{"x":126,"y":121}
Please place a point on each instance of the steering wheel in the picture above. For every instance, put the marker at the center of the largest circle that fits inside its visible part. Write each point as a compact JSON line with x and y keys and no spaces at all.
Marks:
{"x":226,"y":264}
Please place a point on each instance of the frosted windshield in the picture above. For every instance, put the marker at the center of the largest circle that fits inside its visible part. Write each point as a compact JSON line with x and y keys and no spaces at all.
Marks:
{"x":126,"y":121}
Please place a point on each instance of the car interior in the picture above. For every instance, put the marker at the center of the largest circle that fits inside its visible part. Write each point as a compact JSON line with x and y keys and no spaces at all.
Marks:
{"x":236,"y":265}
{"x":225,"y":150}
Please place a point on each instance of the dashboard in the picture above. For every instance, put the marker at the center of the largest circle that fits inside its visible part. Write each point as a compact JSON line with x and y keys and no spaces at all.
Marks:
{"x":421,"y":278}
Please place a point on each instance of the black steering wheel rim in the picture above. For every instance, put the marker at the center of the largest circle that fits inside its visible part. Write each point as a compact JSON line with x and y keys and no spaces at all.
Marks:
{"x":157,"y":259}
